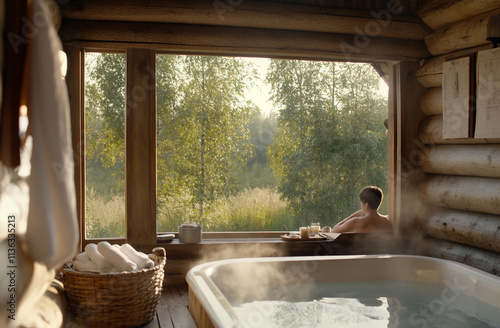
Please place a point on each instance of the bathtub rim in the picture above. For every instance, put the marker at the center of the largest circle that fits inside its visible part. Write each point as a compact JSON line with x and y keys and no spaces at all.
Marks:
{"x":220,"y":312}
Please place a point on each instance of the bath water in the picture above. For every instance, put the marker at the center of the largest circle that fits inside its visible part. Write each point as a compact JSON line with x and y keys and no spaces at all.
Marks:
{"x":369,"y":305}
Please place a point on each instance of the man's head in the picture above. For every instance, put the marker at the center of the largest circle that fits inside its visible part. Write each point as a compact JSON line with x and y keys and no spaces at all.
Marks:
{"x":371,"y":195}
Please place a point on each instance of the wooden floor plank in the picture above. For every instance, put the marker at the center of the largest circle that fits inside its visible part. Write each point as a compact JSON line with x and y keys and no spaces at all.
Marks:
{"x":152,"y":324}
{"x":183,"y":292}
{"x":178,"y":309}
{"x":162,"y":311}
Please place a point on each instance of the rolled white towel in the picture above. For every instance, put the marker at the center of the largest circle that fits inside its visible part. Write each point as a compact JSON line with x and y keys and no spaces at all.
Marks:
{"x":115,"y":256}
{"x":85,"y":266}
{"x":140,"y":259}
{"x":83,"y":257}
{"x":102,"y":263}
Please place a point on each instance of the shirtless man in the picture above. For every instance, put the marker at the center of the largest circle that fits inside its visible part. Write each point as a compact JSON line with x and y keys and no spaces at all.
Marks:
{"x":367,"y":219}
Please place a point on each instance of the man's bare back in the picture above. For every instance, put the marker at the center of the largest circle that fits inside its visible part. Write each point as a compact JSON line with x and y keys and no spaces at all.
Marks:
{"x":367,"y":219}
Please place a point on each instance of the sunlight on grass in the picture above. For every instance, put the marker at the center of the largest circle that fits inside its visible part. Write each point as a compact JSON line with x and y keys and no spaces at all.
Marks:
{"x":257,"y":209}
{"x":104,"y":218}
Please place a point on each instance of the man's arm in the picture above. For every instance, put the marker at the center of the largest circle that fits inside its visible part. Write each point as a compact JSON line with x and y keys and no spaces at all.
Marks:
{"x":346,"y":225}
{"x":358,"y":213}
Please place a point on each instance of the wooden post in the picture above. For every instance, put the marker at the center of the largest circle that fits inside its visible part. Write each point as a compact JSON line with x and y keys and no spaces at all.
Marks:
{"x":75,"y":86}
{"x":392,"y":120}
{"x":141,"y":147}
{"x":405,"y":98}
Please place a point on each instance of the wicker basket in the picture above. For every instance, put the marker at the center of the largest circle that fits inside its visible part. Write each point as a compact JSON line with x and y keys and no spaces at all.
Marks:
{"x":115,"y":300}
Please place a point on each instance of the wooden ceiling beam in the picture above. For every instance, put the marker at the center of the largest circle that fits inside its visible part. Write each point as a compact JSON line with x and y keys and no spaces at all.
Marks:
{"x":254,"y":14}
{"x":240,"y":41}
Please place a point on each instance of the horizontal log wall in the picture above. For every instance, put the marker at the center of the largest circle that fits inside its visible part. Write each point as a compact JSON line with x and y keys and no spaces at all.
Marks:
{"x":250,"y":28}
{"x":243,"y":41}
{"x":431,"y":133}
{"x":467,"y":160}
{"x":465,"y":227}
{"x":464,"y":34}
{"x":460,"y":194}
{"x":444,"y":12}
{"x":254,"y":14}
{"x":476,"y":257}
{"x":463,"y":193}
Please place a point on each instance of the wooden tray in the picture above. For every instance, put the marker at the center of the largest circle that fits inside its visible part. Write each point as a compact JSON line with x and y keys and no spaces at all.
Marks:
{"x":316,"y":238}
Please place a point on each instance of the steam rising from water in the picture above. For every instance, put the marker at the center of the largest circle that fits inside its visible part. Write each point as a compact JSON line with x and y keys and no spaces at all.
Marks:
{"x":244,"y":282}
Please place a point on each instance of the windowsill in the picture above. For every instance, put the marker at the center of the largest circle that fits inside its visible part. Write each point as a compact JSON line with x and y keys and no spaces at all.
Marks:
{"x":257,"y":237}
{"x":237,"y":235}
{"x":212,"y":237}
{"x":275,"y":238}
{"x":233,"y":240}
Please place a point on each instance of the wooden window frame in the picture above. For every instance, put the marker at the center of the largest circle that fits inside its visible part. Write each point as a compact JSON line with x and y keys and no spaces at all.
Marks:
{"x":140,"y":136}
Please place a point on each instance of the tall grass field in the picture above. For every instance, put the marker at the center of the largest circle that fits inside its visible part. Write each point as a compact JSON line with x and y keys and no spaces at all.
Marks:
{"x":253,"y":209}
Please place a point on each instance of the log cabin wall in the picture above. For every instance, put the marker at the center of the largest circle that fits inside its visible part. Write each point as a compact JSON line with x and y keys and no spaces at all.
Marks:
{"x":305,"y":29}
{"x":461,"y":188}
{"x":458,"y":180}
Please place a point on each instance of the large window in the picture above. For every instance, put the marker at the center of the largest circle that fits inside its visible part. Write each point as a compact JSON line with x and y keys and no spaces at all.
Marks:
{"x":242,"y":144}
{"x":104,"y":144}
{"x":260,"y":144}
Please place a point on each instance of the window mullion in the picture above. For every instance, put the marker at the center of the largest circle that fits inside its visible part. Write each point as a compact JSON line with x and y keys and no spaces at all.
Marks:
{"x":140,"y":165}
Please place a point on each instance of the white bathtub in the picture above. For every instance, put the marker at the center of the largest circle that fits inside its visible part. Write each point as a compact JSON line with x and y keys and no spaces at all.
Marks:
{"x":342,"y":291}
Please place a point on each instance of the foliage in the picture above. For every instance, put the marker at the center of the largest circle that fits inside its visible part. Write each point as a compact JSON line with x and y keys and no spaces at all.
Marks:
{"x":105,"y":144}
{"x":256,"y":209}
{"x":105,"y":109}
{"x":223,"y":164}
{"x":262,"y":132}
{"x":330,"y":136}
{"x":104,"y":218}
{"x":203,"y":137}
